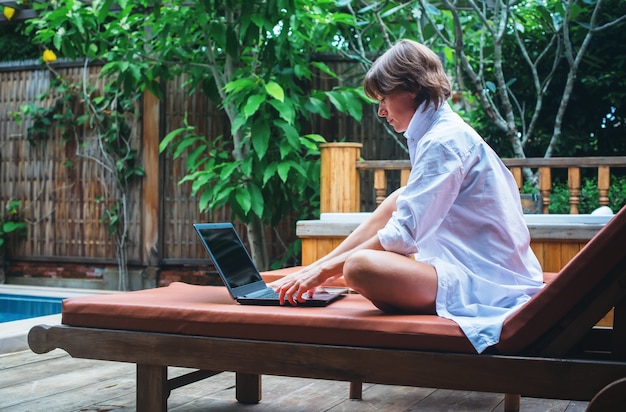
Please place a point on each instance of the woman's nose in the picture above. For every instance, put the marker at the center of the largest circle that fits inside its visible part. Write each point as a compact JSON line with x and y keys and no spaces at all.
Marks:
{"x":382,"y":112}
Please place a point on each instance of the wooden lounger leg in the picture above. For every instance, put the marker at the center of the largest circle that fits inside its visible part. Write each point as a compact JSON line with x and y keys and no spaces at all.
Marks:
{"x":356,"y":390}
{"x":248,"y":387}
{"x":511,"y":402}
{"x":152,"y":389}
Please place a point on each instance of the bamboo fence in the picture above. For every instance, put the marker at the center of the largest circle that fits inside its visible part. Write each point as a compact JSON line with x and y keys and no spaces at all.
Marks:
{"x":59,"y":189}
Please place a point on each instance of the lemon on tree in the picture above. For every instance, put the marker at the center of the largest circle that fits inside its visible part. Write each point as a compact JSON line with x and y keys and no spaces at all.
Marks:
{"x":49,"y":56}
{"x":9,"y":12}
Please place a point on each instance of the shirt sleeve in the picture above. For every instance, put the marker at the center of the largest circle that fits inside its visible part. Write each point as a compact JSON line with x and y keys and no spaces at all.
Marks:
{"x":433,"y":186}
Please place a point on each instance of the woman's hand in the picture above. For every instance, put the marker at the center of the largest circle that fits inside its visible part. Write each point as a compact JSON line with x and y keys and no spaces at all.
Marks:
{"x":292,"y":287}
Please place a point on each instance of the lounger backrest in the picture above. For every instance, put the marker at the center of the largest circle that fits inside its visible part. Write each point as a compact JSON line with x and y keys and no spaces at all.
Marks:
{"x":603,"y":257}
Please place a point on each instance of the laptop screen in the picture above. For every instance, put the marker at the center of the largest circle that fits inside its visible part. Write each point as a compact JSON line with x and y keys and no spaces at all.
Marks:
{"x":229,"y":254}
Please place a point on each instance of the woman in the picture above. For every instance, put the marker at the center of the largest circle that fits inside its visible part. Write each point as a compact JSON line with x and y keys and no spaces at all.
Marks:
{"x":453,"y":241}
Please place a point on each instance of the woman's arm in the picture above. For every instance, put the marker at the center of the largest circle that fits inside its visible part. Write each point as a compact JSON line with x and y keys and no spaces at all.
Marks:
{"x":330,"y":266}
{"x":366,"y":230}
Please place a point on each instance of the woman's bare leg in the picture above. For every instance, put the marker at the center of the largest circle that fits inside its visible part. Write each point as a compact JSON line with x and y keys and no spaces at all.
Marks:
{"x":394,"y":283}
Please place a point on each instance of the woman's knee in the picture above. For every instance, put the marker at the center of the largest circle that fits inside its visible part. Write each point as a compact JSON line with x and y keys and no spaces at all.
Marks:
{"x":355,"y":268}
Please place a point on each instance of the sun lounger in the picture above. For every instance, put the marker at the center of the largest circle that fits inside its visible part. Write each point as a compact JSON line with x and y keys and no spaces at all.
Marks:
{"x":551,"y":348}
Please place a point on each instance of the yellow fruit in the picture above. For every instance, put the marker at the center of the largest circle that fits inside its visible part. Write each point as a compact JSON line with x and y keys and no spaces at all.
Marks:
{"x":49,"y":56}
{"x":9,"y":12}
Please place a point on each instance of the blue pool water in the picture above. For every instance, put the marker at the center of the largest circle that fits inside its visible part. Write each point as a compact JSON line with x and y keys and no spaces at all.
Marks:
{"x":17,"y":307}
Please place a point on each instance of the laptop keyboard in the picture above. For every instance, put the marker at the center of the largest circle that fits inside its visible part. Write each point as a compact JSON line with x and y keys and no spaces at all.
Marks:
{"x":267,"y":294}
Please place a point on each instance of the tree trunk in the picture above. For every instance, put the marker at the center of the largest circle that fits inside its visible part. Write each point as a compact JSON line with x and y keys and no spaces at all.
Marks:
{"x":258,"y":244}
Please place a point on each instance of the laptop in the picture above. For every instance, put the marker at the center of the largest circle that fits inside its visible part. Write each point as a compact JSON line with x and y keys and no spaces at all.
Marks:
{"x":238,"y":272}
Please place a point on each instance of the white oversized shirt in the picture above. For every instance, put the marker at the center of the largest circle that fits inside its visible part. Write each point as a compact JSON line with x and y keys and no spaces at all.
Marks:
{"x":461,"y":213}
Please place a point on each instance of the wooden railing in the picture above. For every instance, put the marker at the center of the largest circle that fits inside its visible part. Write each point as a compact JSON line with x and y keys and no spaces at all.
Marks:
{"x":341,"y":164}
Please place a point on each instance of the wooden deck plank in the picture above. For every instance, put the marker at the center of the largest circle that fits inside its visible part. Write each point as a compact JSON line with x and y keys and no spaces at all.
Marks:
{"x":56,"y":382}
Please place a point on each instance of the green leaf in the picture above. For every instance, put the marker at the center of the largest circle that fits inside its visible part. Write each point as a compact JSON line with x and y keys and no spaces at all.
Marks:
{"x":171,"y":136}
{"x":228,"y":170}
{"x":285,"y":148}
{"x":298,"y":168}
{"x":192,"y":161}
{"x":317,"y":106}
{"x":184,"y":144}
{"x":78,"y":20}
{"x":354,"y":105}
{"x":275,"y":90}
{"x":11,"y":226}
{"x":256,"y":199}
{"x":268,"y":173}
{"x":242,"y":195}
{"x":291,"y":133}
{"x":394,"y":9}
{"x":103,"y":12}
{"x":338,"y":100}
{"x":57,"y":40}
{"x":109,"y":68}
{"x":205,"y":199}
{"x":324,"y":68}
{"x":285,"y":110}
{"x":238,"y":85}
{"x":217,"y":31}
{"x":253,"y":104}
{"x":260,"y":139}
{"x":315,"y":137}
{"x":311,"y":141}
{"x":222,"y":196}
{"x":283,"y":170}
{"x":92,"y":50}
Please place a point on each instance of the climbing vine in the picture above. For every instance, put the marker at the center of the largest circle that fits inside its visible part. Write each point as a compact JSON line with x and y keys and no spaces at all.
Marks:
{"x":102,"y":122}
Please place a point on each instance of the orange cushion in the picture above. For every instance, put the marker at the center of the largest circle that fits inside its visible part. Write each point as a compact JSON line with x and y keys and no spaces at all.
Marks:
{"x":209,"y":311}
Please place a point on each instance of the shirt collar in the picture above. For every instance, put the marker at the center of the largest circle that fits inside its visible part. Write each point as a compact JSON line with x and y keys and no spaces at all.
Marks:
{"x":423,"y":119}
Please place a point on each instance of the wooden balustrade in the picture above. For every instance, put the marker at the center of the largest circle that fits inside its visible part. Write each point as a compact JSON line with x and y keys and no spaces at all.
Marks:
{"x":341,"y":166}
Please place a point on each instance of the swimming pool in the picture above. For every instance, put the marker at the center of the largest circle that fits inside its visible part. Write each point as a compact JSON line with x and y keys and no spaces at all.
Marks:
{"x":21,"y":308}
{"x":16,"y":307}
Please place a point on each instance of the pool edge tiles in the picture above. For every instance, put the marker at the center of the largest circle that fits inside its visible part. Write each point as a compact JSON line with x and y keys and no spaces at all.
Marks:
{"x":14,"y":334}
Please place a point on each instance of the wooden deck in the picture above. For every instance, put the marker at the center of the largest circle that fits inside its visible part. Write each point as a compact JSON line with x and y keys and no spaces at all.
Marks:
{"x":57,"y":382}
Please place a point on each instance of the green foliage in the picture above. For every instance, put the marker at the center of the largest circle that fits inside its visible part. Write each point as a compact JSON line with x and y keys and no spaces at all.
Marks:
{"x":11,"y":222}
{"x":14,"y":45}
{"x":259,"y":65}
{"x":589,"y":197}
{"x":255,"y":59}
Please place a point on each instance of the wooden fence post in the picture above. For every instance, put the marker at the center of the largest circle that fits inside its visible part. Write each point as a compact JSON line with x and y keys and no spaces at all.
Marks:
{"x":545,"y":186}
{"x":604,"y":184}
{"x":573,"y":183}
{"x":339,"y":178}
{"x":150,"y":184}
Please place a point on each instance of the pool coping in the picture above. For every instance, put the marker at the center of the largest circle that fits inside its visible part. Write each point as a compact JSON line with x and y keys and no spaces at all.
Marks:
{"x":14,"y":334}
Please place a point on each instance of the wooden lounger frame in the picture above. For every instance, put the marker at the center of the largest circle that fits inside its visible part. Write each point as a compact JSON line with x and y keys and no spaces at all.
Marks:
{"x":557,"y":378}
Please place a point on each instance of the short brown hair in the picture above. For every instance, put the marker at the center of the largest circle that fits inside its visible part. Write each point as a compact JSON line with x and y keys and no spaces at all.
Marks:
{"x":408,"y":66}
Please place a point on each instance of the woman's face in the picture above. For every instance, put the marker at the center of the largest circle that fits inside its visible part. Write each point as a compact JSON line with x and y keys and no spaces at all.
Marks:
{"x":398,"y":108}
